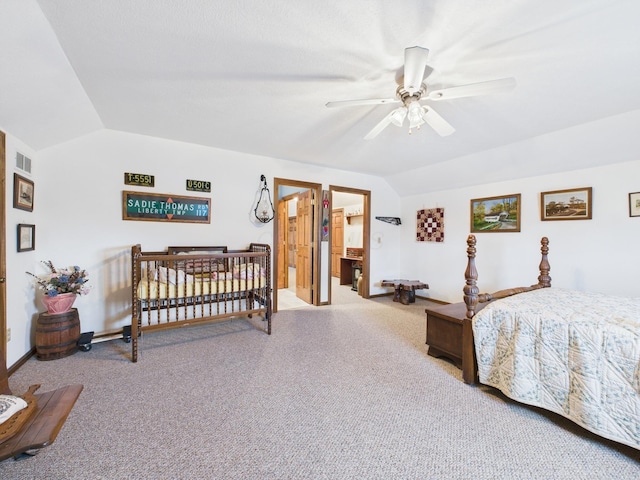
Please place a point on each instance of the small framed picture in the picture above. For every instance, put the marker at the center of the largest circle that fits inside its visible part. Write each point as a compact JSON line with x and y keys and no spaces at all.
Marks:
{"x":22,"y":193}
{"x":573,"y":204}
{"x":26,"y":237}
{"x":634,"y":204}
{"x":496,"y":214}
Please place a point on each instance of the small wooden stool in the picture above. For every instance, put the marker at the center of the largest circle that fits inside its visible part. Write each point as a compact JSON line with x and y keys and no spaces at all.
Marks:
{"x":405,"y":290}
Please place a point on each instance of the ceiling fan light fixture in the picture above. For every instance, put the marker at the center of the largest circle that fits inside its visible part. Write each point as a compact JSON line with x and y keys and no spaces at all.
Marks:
{"x":415,"y":114}
{"x":413,"y":89}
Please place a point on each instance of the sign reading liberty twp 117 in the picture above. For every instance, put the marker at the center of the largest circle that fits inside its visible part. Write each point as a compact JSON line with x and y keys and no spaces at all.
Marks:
{"x":158,"y":207}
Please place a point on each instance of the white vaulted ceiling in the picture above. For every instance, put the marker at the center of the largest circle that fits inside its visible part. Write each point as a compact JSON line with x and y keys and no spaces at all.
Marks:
{"x":254,"y":76}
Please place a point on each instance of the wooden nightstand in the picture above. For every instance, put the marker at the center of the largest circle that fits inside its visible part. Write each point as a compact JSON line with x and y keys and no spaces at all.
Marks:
{"x":450,"y":336}
{"x":444,"y":331}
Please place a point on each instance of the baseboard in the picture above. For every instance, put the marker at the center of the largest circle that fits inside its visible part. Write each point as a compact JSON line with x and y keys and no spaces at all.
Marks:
{"x":434,"y":300}
{"x":21,"y":361}
{"x":378,"y":295}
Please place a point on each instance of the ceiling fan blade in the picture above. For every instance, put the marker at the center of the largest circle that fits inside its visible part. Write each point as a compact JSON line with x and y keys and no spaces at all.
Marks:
{"x":481,"y":88}
{"x":415,"y":61}
{"x":435,"y":121}
{"x":366,"y":101}
{"x":383,"y":124}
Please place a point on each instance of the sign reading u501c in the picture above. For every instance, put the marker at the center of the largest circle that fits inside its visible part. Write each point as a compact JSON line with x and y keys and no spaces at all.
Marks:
{"x":157,"y":207}
{"x":198,"y":186}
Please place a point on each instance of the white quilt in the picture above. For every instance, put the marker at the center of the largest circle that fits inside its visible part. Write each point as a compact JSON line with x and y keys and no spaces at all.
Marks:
{"x":570,"y":352}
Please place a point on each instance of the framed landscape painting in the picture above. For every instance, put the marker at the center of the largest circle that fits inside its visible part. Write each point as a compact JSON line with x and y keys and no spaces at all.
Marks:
{"x":496,"y":214}
{"x":573,"y":204}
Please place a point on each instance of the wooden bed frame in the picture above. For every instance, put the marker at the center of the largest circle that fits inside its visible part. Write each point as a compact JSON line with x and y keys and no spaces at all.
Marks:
{"x":475,"y":301}
{"x":221,"y":282}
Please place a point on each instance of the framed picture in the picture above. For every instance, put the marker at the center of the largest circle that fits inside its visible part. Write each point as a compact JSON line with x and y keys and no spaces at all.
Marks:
{"x":22,"y":193}
{"x":573,"y":204}
{"x":496,"y":214}
{"x":634,"y":204}
{"x":26,"y":237}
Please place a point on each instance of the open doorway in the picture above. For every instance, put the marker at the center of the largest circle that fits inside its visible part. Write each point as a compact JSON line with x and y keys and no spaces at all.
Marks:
{"x":296,"y":254}
{"x":349,"y":242}
{"x":302,"y":266}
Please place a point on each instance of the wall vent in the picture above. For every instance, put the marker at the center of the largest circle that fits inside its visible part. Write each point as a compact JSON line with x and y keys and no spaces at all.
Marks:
{"x":23,"y":162}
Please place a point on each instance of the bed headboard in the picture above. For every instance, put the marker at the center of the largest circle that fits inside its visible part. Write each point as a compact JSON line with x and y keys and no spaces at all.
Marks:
{"x":471,"y":291}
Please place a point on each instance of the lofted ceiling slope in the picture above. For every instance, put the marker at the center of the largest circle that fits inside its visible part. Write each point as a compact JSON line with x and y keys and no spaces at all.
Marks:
{"x":254,"y":76}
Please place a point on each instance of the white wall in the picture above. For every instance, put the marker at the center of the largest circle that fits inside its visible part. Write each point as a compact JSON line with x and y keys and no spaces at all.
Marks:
{"x":354,"y":227}
{"x":599,"y":255}
{"x":21,"y":308}
{"x":78,"y":216}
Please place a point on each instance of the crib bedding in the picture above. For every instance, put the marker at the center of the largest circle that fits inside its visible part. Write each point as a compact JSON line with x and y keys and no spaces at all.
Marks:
{"x":158,"y":290}
{"x":573,"y":353}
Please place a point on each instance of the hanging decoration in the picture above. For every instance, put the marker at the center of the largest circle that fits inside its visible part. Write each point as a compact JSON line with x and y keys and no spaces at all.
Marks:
{"x":325,"y":216}
{"x":430,"y":225}
{"x":264,"y":210}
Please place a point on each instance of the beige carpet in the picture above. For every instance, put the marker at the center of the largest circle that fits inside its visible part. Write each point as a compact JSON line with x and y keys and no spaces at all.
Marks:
{"x":340,"y":392}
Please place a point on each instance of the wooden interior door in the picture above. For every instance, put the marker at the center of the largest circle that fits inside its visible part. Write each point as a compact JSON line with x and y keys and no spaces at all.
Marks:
{"x":337,"y":240}
{"x":283,"y":270}
{"x":291,"y":242}
{"x":304,"y":246}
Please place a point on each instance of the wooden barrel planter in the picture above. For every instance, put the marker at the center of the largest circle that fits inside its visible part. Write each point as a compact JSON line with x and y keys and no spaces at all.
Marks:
{"x":57,"y":335}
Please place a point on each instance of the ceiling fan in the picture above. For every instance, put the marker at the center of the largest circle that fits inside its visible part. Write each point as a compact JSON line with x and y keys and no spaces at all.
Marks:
{"x":413,"y":90}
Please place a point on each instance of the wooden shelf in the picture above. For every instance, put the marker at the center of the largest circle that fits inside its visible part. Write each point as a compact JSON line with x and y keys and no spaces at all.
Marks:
{"x":349,"y":217}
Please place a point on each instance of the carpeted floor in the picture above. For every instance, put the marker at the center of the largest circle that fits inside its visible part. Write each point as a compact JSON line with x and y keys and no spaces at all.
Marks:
{"x":338,"y":392}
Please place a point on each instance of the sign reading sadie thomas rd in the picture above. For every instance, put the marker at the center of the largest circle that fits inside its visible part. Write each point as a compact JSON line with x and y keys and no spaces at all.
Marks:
{"x":158,"y":207}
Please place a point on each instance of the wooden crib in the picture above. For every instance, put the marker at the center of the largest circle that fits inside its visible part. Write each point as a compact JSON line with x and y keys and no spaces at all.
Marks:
{"x":189,"y":285}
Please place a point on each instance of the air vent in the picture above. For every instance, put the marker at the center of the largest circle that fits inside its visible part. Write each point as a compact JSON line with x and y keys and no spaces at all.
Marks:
{"x":23,"y":162}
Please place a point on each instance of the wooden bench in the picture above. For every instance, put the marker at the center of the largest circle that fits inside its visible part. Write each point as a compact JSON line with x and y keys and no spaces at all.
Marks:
{"x":45,"y":417}
{"x":405,"y":290}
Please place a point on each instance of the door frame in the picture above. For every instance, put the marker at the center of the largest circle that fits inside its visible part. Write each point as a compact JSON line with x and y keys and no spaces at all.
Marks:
{"x":3,"y":245}
{"x":366,"y":234}
{"x":315,"y":257}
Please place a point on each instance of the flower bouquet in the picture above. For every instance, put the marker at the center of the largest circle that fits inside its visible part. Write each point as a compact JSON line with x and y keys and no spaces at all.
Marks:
{"x":66,"y":280}
{"x":61,"y":286}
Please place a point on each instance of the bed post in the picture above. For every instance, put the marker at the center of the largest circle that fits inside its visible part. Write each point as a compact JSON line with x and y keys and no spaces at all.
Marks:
{"x":265,"y":248}
{"x":268,"y":276}
{"x":544,"y":280}
{"x":471,"y":291}
{"x":471,"y":277}
{"x":136,"y":251}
